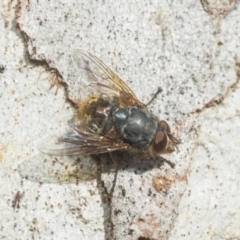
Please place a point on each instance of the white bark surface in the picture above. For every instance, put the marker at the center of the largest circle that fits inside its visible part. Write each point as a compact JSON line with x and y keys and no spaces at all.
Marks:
{"x":190,"y":49}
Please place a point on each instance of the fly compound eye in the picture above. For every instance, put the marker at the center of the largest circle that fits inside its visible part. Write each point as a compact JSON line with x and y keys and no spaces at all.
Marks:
{"x":160,"y":142}
{"x":165,"y":126}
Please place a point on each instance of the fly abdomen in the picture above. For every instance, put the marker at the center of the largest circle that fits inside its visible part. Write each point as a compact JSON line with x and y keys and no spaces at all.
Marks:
{"x":136,"y":126}
{"x":96,"y":114}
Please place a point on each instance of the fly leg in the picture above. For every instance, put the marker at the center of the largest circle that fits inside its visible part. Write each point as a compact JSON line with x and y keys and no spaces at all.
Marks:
{"x":145,"y":155}
{"x":155,"y":95}
{"x":116,"y":172}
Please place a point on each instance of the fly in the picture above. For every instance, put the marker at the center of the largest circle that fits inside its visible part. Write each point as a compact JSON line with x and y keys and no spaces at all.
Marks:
{"x":111,"y":118}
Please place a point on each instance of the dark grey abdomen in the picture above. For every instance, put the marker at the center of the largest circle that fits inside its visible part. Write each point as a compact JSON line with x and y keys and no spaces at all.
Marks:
{"x":136,"y":126}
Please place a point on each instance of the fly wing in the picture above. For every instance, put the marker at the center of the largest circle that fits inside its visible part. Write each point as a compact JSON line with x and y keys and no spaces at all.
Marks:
{"x":69,"y":141}
{"x":95,"y":77}
{"x":76,"y":142}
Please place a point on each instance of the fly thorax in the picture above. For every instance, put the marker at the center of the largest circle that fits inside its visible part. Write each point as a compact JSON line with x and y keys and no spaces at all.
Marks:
{"x":120,"y":117}
{"x":136,"y":126}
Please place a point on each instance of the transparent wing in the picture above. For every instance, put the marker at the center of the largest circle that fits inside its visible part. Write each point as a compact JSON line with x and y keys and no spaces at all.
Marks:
{"x":72,"y":141}
{"x":68,"y":141}
{"x":95,"y":77}
{"x":46,"y":169}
